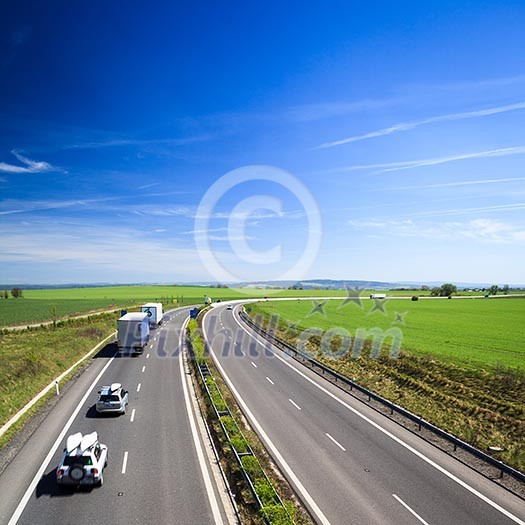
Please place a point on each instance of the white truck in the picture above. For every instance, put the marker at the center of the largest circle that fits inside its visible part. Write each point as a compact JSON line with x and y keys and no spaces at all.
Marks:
{"x":133,"y":332}
{"x":154,"y":313}
{"x":378,"y":296}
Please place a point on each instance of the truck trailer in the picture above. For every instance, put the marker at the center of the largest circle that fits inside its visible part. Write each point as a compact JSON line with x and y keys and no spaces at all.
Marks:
{"x":133,"y":332}
{"x":154,"y":312}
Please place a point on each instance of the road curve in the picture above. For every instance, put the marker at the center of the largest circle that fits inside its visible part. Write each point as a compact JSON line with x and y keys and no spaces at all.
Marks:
{"x":349,"y":463}
{"x":155,"y":471}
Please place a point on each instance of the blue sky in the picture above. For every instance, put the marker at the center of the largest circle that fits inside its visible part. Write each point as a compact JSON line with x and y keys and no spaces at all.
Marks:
{"x":405,"y":122}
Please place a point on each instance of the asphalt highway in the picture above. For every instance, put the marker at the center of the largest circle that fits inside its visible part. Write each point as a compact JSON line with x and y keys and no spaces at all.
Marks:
{"x":349,"y":464}
{"x":155,"y":472}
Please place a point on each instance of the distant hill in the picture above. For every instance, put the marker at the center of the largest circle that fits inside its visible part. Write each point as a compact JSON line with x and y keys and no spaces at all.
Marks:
{"x":318,"y":284}
{"x":305,"y":284}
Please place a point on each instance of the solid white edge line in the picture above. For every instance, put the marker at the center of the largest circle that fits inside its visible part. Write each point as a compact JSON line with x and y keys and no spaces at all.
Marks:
{"x":413,"y":512}
{"x":198,"y":446}
{"x":124,"y":462}
{"x":138,"y":387}
{"x":132,"y":418}
{"x":420,"y":455}
{"x":335,"y":441}
{"x":32,"y":486}
{"x":269,"y":381}
{"x":307,"y":498}
{"x":294,"y":404}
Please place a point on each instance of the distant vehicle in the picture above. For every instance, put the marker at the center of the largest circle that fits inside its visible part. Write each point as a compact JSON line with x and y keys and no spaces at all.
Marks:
{"x":154,"y":311}
{"x":229,"y":307}
{"x":133,"y":332}
{"x":112,"y":399}
{"x":83,"y":461}
{"x":378,"y":296}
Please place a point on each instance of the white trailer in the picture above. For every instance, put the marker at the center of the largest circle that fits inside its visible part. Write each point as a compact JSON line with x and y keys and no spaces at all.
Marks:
{"x":154,"y":313}
{"x":378,"y":296}
{"x":133,"y":332}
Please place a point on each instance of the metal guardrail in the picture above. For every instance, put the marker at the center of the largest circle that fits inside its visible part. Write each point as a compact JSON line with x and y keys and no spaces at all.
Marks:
{"x":422,"y":423}
{"x":205,"y":372}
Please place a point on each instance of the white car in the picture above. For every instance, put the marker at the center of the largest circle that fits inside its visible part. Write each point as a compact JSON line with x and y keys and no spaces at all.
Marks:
{"x":113,"y":399}
{"x":229,"y":307}
{"x":83,"y":461}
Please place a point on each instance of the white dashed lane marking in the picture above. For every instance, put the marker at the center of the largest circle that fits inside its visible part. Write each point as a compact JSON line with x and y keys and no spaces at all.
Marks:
{"x":295,"y":404}
{"x":413,"y":512}
{"x":335,"y":441}
{"x":125,"y":462}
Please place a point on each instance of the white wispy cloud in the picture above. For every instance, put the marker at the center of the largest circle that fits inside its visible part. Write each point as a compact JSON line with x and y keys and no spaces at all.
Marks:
{"x":14,"y":206}
{"x":163,"y":211}
{"x":472,"y":85}
{"x":148,"y":185}
{"x":29,"y":166}
{"x":205,"y":232}
{"x":481,"y":229}
{"x":411,"y":164}
{"x":454,"y":184}
{"x":80,"y":252}
{"x":462,"y":211}
{"x":406,"y":126}
{"x":322,"y":110}
{"x":108,"y":143}
{"x":230,"y":238}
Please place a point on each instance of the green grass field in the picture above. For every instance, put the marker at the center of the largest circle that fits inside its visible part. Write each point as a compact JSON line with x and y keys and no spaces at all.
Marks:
{"x":461,"y":365}
{"x":473,"y":332}
{"x":37,"y":305}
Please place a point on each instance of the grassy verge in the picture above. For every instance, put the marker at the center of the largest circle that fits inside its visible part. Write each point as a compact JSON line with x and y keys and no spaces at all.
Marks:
{"x":235,"y":439}
{"x":37,"y":411}
{"x":31,"y":359}
{"x":481,"y":405}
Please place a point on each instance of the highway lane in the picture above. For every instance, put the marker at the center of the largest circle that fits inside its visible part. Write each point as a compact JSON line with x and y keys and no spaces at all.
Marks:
{"x":353,"y":472}
{"x":153,"y":474}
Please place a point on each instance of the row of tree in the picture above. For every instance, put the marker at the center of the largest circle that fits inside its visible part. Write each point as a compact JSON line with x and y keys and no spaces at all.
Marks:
{"x":15,"y":292}
{"x":447,"y":289}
